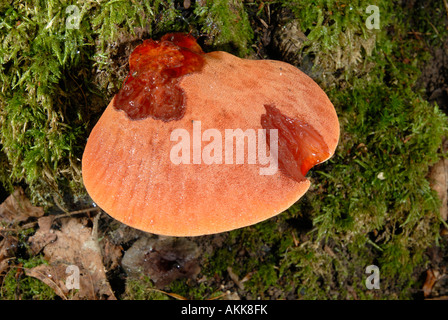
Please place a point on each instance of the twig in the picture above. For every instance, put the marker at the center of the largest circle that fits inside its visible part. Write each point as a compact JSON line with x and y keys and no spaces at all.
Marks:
{"x":94,"y":239}
{"x":67,"y":214}
{"x":434,"y":27}
{"x":71,"y":213}
{"x":420,"y":33}
{"x":172,"y":295}
{"x":438,"y":298}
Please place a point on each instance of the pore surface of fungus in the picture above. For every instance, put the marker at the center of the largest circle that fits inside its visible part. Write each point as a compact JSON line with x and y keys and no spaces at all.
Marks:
{"x":174,"y":87}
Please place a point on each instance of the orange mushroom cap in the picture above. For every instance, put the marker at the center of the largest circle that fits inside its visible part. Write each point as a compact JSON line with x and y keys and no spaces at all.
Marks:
{"x":126,"y":166}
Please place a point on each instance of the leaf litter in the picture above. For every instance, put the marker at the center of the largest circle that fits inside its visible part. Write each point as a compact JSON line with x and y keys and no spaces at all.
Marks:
{"x":17,"y":208}
{"x":69,"y":243}
{"x":78,"y":259}
{"x":74,"y":246}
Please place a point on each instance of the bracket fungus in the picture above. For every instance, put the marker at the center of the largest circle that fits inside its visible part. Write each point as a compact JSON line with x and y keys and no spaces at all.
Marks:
{"x":174,"y":152}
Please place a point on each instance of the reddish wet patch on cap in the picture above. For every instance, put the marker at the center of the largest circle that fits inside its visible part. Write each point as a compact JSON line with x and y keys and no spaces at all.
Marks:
{"x":300,"y":146}
{"x":155,"y":67}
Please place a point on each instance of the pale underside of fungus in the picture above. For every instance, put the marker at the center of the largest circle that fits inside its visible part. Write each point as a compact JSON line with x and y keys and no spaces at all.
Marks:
{"x":128,"y":166}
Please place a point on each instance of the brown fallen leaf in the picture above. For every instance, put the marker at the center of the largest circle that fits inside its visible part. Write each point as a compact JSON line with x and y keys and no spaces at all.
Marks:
{"x":74,"y":255}
{"x":111,"y":254}
{"x":438,"y":178}
{"x":439,"y":298}
{"x":53,"y":276}
{"x":8,"y":246}
{"x":234,"y":278}
{"x":17,"y":208}
{"x":8,"y":249}
{"x":44,"y":236}
{"x":431,"y":279}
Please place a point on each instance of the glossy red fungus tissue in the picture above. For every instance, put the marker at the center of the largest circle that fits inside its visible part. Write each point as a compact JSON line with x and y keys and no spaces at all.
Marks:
{"x":155,"y":69}
{"x":199,"y":143}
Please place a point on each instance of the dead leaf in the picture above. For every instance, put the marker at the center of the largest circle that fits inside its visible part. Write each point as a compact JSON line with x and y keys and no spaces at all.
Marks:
{"x":438,"y":178}
{"x":231,"y":296}
{"x":8,"y":249}
{"x":439,"y":298}
{"x":431,"y":279}
{"x":111,"y":254}
{"x":53,"y":276}
{"x":234,"y":278}
{"x":330,"y":252}
{"x":44,"y":236}
{"x":76,"y":246}
{"x":17,"y":208}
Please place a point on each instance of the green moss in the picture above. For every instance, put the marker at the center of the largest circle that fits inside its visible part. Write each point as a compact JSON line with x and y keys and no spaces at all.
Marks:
{"x":253,"y":253}
{"x":338,"y":39}
{"x":191,"y":290}
{"x":15,"y":284}
{"x":217,"y":263}
{"x":226,"y":24}
{"x":18,"y":286}
{"x":41,"y":123}
{"x":142,"y":289}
